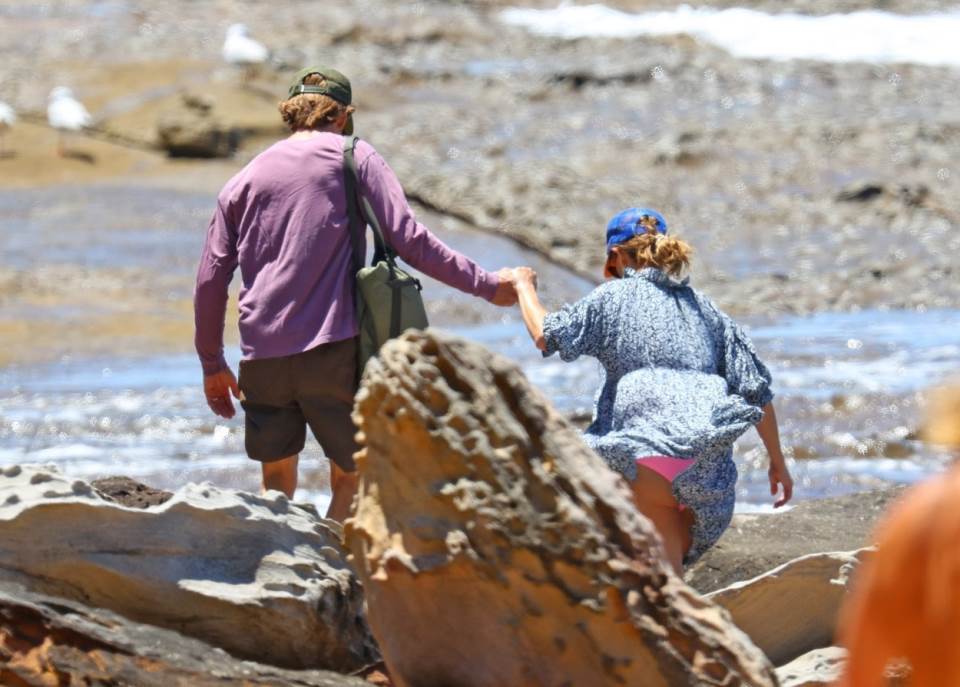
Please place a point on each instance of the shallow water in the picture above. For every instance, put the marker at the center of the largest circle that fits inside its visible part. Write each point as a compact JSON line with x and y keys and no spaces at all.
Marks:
{"x":848,"y":384}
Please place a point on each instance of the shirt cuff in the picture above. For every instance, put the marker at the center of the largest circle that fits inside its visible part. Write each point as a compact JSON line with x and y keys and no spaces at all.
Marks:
{"x":213,"y":366}
{"x":550,"y":339}
{"x":487,"y":284}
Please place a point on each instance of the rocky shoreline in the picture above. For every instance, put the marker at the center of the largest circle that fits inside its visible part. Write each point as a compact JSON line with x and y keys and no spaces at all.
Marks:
{"x":839,"y":177}
{"x":497,"y":493}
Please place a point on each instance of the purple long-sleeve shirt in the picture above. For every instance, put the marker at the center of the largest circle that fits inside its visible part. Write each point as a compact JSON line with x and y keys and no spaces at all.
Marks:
{"x":283,"y":220}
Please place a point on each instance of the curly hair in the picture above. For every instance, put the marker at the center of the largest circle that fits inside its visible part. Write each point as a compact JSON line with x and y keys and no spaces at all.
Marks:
{"x":652,"y":249}
{"x":311,"y":110}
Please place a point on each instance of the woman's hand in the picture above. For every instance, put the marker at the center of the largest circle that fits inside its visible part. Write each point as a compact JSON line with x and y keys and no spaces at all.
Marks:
{"x":525,"y":276}
{"x":780,"y":477}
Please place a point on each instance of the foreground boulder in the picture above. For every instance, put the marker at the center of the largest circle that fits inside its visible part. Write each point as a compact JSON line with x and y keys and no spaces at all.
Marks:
{"x":793,"y":609}
{"x":497,"y":549}
{"x":257,"y":576}
{"x":47,"y":641}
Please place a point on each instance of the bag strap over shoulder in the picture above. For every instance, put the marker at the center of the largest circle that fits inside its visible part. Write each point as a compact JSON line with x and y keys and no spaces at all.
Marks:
{"x":362,"y":215}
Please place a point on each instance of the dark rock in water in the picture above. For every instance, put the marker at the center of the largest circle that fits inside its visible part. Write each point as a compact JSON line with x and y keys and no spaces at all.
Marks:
{"x":51,"y":641}
{"x":129,"y":492}
{"x":193,"y":130}
{"x":497,"y":549}
{"x":754,"y":544}
{"x":860,"y":193}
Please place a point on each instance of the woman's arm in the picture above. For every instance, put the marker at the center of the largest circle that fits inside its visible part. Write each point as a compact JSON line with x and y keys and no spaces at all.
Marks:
{"x":525,"y":280}
{"x":779,"y":473}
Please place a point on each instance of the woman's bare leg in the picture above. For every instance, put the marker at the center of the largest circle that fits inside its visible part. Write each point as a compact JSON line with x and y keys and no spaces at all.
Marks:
{"x":653,"y":496}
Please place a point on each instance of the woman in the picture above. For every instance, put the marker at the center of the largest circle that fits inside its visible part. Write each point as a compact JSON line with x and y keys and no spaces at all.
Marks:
{"x":682,"y":382}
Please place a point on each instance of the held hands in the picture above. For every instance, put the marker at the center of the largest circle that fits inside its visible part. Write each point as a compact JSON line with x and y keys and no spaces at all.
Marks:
{"x":510,"y":281}
{"x":217,"y":387}
{"x":780,"y":477}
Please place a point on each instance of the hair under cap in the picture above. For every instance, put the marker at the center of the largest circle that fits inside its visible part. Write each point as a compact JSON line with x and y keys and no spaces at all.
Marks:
{"x":629,"y":223}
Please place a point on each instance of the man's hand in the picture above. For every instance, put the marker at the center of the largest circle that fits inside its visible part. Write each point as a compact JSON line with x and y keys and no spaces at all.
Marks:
{"x":780,"y":476}
{"x":506,"y":294}
{"x":218,"y":387}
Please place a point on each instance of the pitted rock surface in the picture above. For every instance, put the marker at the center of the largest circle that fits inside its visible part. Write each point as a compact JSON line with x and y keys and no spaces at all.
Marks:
{"x":260,"y":577}
{"x":497,"y":549}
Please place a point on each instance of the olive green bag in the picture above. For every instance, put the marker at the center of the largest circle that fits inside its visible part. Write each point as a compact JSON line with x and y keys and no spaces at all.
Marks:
{"x":389,"y":301}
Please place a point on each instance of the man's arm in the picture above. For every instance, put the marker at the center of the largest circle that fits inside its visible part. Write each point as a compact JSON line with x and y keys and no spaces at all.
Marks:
{"x":418,"y":246}
{"x":217,"y":264}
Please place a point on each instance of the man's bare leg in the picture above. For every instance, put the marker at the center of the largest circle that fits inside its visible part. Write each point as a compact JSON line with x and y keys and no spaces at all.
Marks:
{"x":344,"y":487}
{"x":281,"y":475}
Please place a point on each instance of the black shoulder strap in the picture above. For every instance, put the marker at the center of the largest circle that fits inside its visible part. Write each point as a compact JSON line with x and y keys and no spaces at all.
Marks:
{"x":355,"y":197}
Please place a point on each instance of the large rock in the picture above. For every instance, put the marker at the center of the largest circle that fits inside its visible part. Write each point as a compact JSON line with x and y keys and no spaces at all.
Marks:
{"x":756,"y":543}
{"x":258,"y":576}
{"x":193,"y":130}
{"x":497,"y":549}
{"x":793,"y":609}
{"x":819,"y":668}
{"x":46,"y":641}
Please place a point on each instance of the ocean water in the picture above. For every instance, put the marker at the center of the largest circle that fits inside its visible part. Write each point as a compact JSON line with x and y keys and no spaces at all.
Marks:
{"x":865,"y":36}
{"x":147,"y":418}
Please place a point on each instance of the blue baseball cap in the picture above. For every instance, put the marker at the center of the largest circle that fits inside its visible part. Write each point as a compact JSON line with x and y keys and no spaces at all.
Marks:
{"x":626,"y":225}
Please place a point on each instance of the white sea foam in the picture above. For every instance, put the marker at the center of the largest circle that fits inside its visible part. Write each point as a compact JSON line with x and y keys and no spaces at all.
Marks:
{"x":868,"y":36}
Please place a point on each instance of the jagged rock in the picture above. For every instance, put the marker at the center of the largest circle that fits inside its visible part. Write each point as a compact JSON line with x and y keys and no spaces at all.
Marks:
{"x":193,"y":130}
{"x":48,"y":641}
{"x":793,"y":609}
{"x":820,"y":668}
{"x":497,"y":549}
{"x":257,"y":576}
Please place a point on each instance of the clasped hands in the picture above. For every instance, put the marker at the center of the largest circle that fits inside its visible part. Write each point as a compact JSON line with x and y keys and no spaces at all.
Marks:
{"x":512,"y":280}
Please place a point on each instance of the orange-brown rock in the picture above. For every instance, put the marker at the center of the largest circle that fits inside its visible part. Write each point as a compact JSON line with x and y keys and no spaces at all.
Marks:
{"x":497,"y":549}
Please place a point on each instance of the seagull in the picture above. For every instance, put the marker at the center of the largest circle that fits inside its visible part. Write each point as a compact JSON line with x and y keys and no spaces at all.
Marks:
{"x":8,"y":117}
{"x":65,"y":113}
{"x":241,"y":50}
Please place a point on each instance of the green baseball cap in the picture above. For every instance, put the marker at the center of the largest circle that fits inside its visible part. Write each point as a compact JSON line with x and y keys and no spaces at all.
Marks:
{"x":337,"y":86}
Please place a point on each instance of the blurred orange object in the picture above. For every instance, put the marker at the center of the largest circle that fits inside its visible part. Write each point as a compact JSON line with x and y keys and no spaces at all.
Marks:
{"x":905,"y":605}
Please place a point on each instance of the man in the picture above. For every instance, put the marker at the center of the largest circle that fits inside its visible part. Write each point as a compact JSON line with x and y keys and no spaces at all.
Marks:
{"x":283,"y":220}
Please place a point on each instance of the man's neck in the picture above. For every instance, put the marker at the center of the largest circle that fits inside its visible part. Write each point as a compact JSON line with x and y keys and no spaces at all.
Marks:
{"x":312,"y":133}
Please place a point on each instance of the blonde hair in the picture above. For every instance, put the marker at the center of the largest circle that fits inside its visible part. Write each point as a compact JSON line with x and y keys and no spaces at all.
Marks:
{"x":653,"y":249}
{"x":312,"y":110}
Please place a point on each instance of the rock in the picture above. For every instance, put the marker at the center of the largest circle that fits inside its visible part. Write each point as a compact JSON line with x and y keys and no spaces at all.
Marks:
{"x":257,"y":576}
{"x":497,"y":549}
{"x":755,"y":543}
{"x":129,"y":492}
{"x":793,"y":609}
{"x":192,"y":130}
{"x":819,"y":668}
{"x":50,"y":641}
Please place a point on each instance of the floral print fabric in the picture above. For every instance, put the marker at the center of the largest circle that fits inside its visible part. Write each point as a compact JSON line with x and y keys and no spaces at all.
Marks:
{"x":681,"y":379}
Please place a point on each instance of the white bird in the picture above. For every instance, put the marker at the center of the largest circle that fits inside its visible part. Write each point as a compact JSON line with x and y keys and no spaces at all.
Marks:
{"x":241,"y":50}
{"x":8,"y":117}
{"x":65,"y":113}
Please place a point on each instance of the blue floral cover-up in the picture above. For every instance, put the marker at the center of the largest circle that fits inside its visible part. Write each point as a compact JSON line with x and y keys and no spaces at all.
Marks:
{"x":681,"y":379}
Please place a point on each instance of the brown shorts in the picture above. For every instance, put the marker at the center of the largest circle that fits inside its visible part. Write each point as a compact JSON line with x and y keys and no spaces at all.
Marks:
{"x":281,"y":396}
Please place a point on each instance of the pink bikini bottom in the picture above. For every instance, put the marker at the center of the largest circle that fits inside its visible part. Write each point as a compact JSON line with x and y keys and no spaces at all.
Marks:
{"x":666,"y":467}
